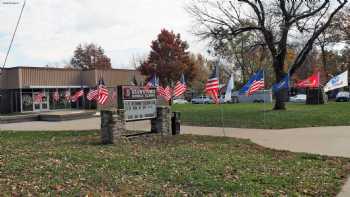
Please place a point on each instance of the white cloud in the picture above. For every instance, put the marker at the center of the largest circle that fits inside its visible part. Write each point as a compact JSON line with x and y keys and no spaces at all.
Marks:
{"x":50,"y":30}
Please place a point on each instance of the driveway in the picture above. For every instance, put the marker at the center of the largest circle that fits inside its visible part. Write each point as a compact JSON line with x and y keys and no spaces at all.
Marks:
{"x":332,"y":141}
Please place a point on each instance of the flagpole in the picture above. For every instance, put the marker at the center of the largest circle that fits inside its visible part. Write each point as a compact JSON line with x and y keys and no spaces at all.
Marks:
{"x":264,"y":100}
{"x":221,"y":107}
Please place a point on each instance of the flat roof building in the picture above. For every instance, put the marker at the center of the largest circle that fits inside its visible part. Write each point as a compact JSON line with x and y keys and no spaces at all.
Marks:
{"x":20,"y":85}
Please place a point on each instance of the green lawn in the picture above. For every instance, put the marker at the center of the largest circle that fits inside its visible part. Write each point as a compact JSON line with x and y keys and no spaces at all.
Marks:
{"x":261,"y":116}
{"x":74,"y":164}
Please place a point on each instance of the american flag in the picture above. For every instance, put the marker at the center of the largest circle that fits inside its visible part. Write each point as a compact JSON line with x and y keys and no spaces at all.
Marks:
{"x":67,"y":95}
{"x":92,"y":95}
{"x":212,"y":86}
{"x":114,"y":95}
{"x":56,"y":96}
{"x":180,"y":87}
{"x":102,"y":93}
{"x":38,"y":98}
{"x":257,"y":84}
{"x":152,"y":83}
{"x":164,"y":92}
{"x":77,"y":95}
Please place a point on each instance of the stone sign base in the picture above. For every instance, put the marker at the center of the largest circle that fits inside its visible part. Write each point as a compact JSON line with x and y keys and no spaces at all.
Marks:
{"x":113,"y":124}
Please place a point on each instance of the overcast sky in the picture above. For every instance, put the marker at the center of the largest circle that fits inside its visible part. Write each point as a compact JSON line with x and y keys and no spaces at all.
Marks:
{"x":51,"y":29}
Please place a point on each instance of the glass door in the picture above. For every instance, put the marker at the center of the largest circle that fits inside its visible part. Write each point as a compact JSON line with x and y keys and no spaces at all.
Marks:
{"x":43,"y":105}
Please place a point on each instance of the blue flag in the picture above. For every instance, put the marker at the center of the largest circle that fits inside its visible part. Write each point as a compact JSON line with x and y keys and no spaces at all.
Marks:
{"x":283,"y":84}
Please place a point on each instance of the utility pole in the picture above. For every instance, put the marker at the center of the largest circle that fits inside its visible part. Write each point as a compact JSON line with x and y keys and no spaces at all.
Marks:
{"x":15,"y":31}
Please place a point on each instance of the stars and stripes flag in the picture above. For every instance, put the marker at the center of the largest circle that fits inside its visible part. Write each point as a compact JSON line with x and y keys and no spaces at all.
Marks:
{"x":212,"y":86}
{"x":164,"y":92}
{"x":38,"y":97}
{"x":103,"y":93}
{"x":77,"y":95}
{"x":56,"y":96}
{"x":258,"y":83}
{"x":152,"y":83}
{"x":92,"y":95}
{"x":180,"y":87}
{"x":67,"y":95}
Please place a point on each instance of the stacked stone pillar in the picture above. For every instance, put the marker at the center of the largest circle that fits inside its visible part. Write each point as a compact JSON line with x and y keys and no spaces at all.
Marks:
{"x":112,"y":125}
{"x":162,"y":123}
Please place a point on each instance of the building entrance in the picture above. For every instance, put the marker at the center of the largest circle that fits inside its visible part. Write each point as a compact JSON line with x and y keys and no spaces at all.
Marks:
{"x":43,"y":105}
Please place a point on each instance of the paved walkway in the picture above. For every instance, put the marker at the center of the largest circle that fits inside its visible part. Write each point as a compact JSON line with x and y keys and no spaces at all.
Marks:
{"x":333,"y":141}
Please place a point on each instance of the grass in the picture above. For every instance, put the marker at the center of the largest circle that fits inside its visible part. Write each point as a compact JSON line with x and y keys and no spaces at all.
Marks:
{"x":74,"y":164}
{"x":261,"y":116}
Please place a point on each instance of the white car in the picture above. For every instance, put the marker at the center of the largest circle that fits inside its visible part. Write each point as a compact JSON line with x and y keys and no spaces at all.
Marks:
{"x":342,"y":97}
{"x":299,"y":98}
{"x":201,"y":100}
{"x":179,"y":101}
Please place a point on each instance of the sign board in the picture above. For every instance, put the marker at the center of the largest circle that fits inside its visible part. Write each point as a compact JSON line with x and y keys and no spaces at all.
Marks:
{"x":138,"y":103}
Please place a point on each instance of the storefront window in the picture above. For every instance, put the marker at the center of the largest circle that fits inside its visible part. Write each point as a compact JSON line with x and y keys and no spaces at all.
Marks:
{"x":27,"y":102}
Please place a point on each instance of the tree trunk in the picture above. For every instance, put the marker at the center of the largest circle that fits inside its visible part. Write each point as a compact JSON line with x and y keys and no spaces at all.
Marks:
{"x":280,"y":95}
{"x":280,"y":100}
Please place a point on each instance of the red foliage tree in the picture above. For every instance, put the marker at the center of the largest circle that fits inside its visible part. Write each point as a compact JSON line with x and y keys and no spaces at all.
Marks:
{"x":168,"y":59}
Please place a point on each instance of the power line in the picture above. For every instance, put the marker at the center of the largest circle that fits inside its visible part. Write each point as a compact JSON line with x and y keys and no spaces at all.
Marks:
{"x":14,"y":34}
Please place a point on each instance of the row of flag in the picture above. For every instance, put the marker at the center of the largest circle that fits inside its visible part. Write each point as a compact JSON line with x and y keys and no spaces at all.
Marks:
{"x":167,"y":92}
{"x":257,"y":82}
{"x":100,"y":94}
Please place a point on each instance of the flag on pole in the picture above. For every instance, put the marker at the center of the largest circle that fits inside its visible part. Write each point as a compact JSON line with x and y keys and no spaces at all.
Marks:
{"x":212,"y":86}
{"x":102,"y":93}
{"x":67,"y":95}
{"x":92,"y":95}
{"x":167,"y":93}
{"x":164,"y":92}
{"x":180,"y":87}
{"x":229,"y":88}
{"x":152,"y":83}
{"x":77,"y":95}
{"x":338,"y":81}
{"x":255,"y":83}
{"x":38,"y":97}
{"x":56,"y":96}
{"x":311,"y":82}
{"x":283,"y":84}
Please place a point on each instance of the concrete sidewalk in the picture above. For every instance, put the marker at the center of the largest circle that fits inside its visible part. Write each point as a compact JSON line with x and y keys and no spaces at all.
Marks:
{"x":332,"y":141}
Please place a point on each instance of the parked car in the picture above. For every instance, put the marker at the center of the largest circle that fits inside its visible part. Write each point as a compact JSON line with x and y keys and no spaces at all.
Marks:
{"x":179,"y":101}
{"x":201,"y":100}
{"x":342,"y":97}
{"x":299,"y":98}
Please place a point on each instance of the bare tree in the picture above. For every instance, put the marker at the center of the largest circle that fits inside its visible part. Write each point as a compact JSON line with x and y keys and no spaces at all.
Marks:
{"x":277,"y":22}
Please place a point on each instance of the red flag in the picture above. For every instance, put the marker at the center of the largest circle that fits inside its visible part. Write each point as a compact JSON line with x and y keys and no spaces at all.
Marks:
{"x":311,"y":82}
{"x":102,"y":95}
{"x":212,"y":86}
{"x":164,"y":92}
{"x":92,"y":95}
{"x":77,"y":95}
{"x":67,"y":95}
{"x":180,"y":87}
{"x":39,"y":97}
{"x":56,"y":96}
